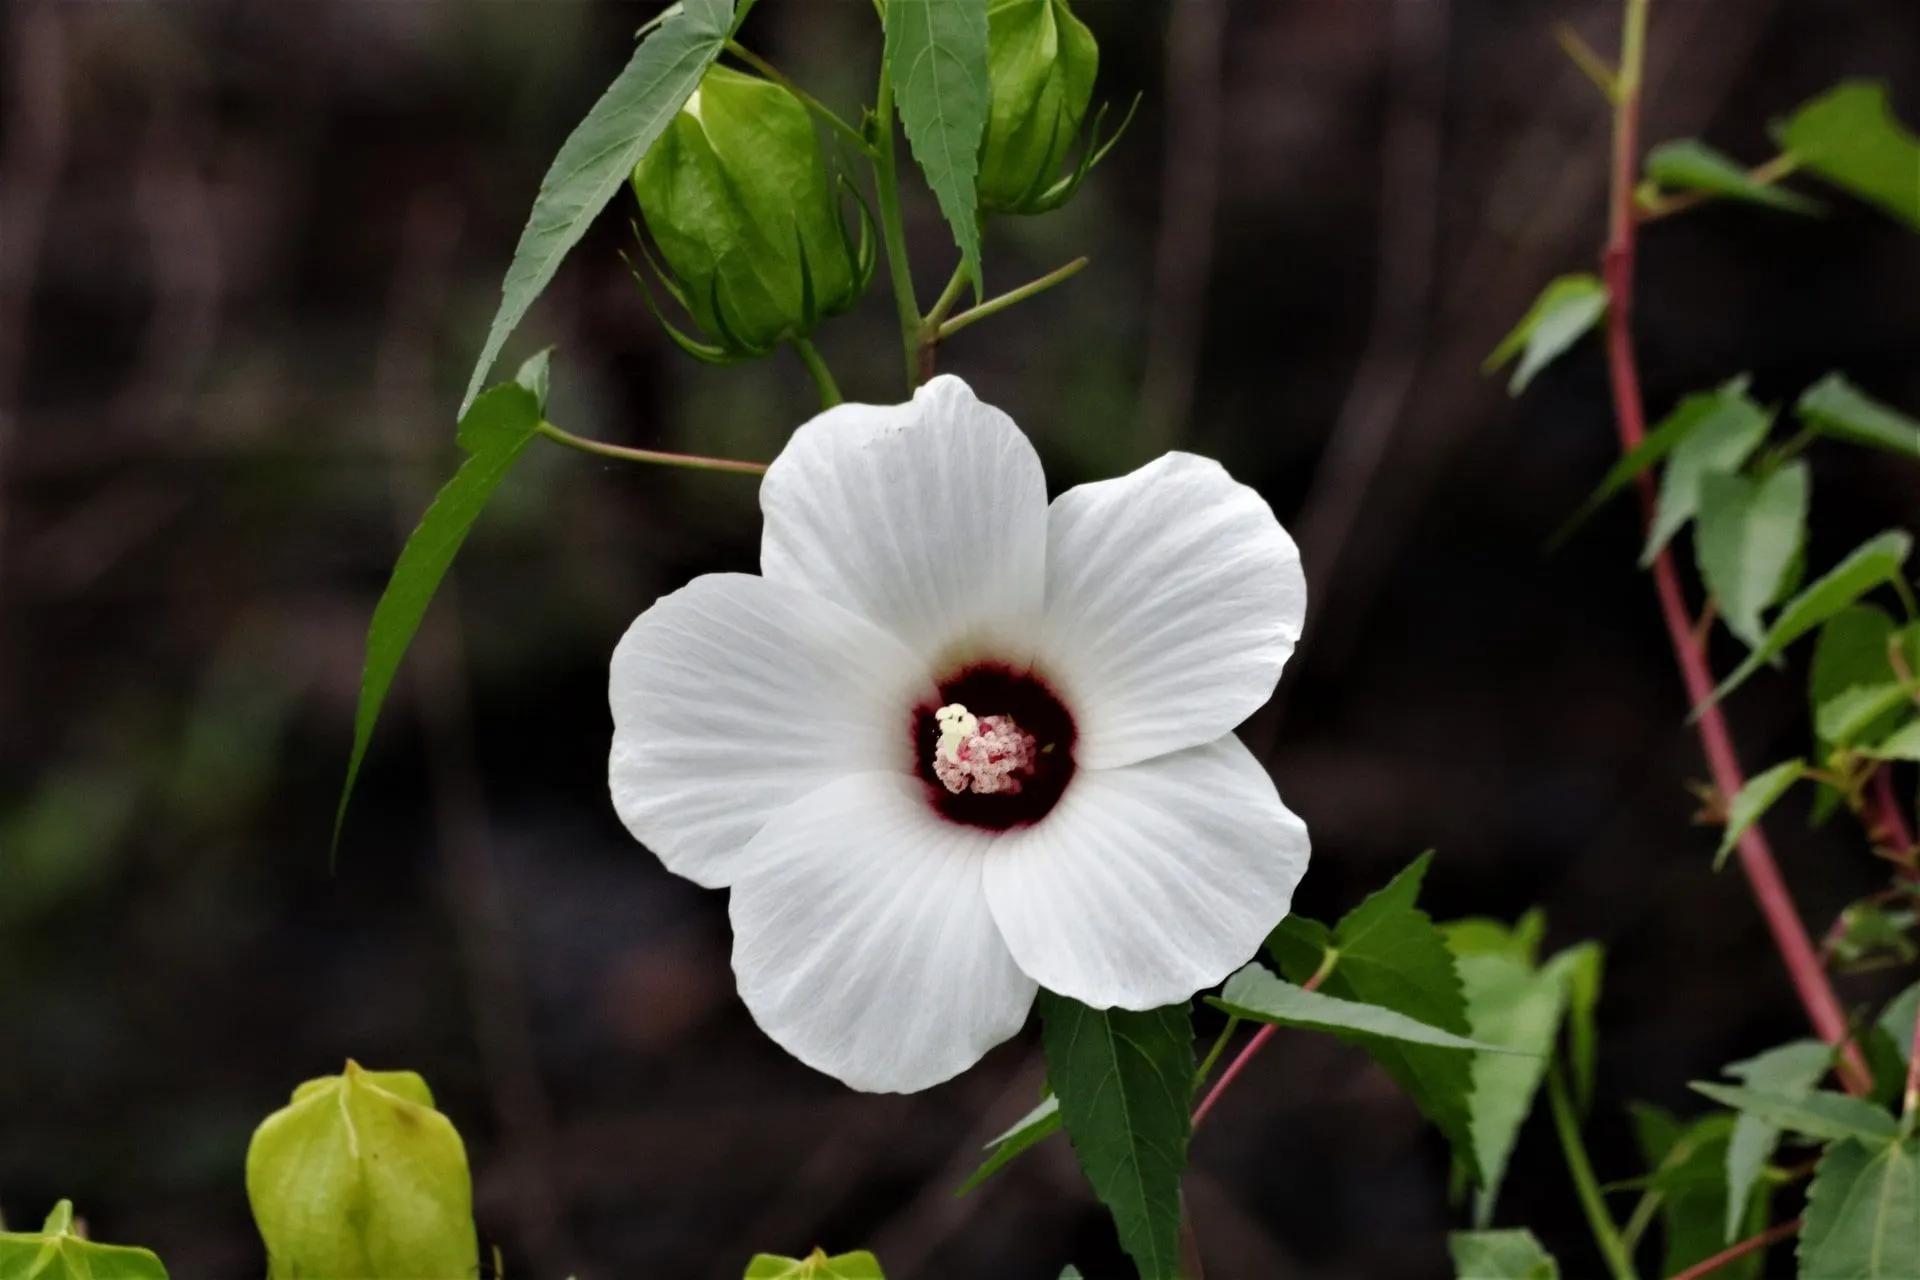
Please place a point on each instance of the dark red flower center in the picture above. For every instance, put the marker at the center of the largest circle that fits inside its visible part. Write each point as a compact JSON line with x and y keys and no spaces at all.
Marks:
{"x":1005,"y":708}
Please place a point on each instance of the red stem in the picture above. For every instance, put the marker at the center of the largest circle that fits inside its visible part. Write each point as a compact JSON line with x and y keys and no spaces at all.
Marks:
{"x":1241,"y":1059}
{"x":1770,"y":890}
{"x":1752,"y":1244}
{"x":1890,"y":822}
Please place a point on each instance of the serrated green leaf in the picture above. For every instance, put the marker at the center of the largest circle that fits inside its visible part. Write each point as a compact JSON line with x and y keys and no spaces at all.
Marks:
{"x":1027,"y":1132}
{"x":1902,"y":744}
{"x":1789,"y":1070}
{"x":1125,"y":1085}
{"x":1750,"y":530}
{"x":1837,"y":408}
{"x":1863,"y":1213}
{"x":1691,"y":165}
{"x":598,"y":156}
{"x":1849,"y":136}
{"x":1500,"y":1255}
{"x":1761,"y":793}
{"x":1254,"y":993}
{"x":1390,"y":954}
{"x":1873,"y":563}
{"x":1687,"y":417}
{"x":495,"y":430}
{"x":859,"y":1265}
{"x":1731,"y":428}
{"x":56,"y":1253}
{"x":1566,"y":310}
{"x":1823,"y":1116}
{"x":1481,"y":935}
{"x":936,"y":56}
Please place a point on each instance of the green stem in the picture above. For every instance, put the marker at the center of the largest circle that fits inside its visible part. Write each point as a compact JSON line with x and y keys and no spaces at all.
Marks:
{"x":993,"y":306}
{"x":1213,"y":1055}
{"x":949,"y":298}
{"x":817,"y":367}
{"x":807,"y":100}
{"x":886,"y":181}
{"x":600,"y":448}
{"x":1567,"y":1124}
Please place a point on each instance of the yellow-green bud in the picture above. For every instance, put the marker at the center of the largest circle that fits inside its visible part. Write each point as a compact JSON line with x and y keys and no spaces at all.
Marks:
{"x":59,"y":1252}
{"x":358,"y":1176}
{"x":1041,"y":62}
{"x":737,"y":196}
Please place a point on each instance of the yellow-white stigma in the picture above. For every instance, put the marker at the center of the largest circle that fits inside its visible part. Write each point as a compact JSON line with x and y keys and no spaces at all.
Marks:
{"x":986,"y":755}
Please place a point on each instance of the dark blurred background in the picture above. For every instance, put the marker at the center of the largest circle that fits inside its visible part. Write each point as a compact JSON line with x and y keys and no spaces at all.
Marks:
{"x":247,"y":254}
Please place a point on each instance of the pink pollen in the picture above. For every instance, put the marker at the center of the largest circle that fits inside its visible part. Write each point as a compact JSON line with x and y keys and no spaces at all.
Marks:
{"x":990,"y":761}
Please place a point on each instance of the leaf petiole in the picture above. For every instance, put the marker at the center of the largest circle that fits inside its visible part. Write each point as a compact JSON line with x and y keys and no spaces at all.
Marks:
{"x":602,"y":449}
{"x":993,"y":306}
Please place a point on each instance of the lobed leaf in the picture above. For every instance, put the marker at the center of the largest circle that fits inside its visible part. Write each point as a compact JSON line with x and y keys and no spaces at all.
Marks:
{"x":1566,"y":310}
{"x":598,"y":156}
{"x":1863,"y":1212}
{"x":1730,"y":428}
{"x":859,"y":1265}
{"x":494,"y":432}
{"x":1849,"y":136}
{"x":936,"y":57}
{"x":1125,"y":1085}
{"x":1790,"y":1070}
{"x":1873,"y":563}
{"x":1500,"y":1255}
{"x":1760,"y":794}
{"x":1254,"y":993}
{"x":1691,"y":165}
{"x":1750,"y":531}
{"x":1822,"y":1116}
{"x":1835,"y":407}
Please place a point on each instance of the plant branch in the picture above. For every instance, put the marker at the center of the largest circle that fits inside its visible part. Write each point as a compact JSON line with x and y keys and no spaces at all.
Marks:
{"x":1770,"y":890}
{"x":1733,"y":1253}
{"x":1253,"y":1046}
{"x":1590,"y":63}
{"x":807,"y":100}
{"x":886,"y":181}
{"x":817,"y":368}
{"x":1567,"y":1124}
{"x":657,"y":457}
{"x":993,"y":306}
{"x":1765,"y":175}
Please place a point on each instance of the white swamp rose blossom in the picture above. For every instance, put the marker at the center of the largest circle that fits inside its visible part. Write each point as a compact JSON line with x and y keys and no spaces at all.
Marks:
{"x":955,"y":742}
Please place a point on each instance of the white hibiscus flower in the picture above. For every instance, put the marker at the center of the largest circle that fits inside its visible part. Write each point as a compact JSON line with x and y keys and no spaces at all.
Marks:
{"x":955,"y":742}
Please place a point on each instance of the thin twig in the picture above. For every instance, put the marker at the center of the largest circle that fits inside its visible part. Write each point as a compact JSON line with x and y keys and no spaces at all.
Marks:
{"x":657,"y":457}
{"x":1752,"y":1244}
{"x":993,"y":306}
{"x":1253,"y":1047}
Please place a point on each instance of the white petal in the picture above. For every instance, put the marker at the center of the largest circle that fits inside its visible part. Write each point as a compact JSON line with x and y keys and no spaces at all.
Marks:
{"x":735,"y":696}
{"x":1174,"y":597}
{"x":1149,"y":882}
{"x":928,"y":517}
{"x":863,"y":943}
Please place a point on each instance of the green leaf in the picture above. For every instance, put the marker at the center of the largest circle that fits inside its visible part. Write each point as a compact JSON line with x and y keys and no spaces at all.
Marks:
{"x":1899,"y":1017}
{"x":1482,"y":935}
{"x":1902,"y":744}
{"x":1500,"y":1255}
{"x":1071,"y":1273}
{"x":598,"y":156}
{"x":1688,"y":416}
{"x":1851,"y":667}
{"x":1849,"y":136}
{"x":1821,"y":1116}
{"x":1760,"y":794}
{"x":1731,"y":428}
{"x":1125,"y":1084}
{"x":1837,"y":408}
{"x":815,"y":1266}
{"x":1847,"y":717}
{"x":1390,"y":954}
{"x":1691,"y":165}
{"x":1790,"y":1071}
{"x":56,"y":1253}
{"x":1257,"y":995}
{"x":494,"y":431}
{"x":1582,"y":966}
{"x":1873,"y":563}
{"x":1689,"y":1173}
{"x":1564,"y":312}
{"x":1750,"y":530}
{"x":1519,"y":1008}
{"x":1029,"y":1131}
{"x":936,"y":55}
{"x":1863,"y":1213}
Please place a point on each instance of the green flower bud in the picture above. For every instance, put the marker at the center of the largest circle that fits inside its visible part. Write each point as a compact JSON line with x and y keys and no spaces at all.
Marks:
{"x":59,"y":1252}
{"x":1041,"y":61}
{"x":360,"y":1177}
{"x":737,"y":196}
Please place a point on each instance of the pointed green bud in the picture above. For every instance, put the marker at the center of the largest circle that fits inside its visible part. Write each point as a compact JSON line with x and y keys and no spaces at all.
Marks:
{"x":1041,"y":61}
{"x":359,"y":1176}
{"x":58,"y":1251}
{"x":737,"y":196}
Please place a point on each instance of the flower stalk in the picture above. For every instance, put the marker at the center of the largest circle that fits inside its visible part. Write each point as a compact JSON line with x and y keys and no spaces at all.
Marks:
{"x":1770,"y":890}
{"x":1566,"y":1124}
{"x":1253,"y":1046}
{"x":817,"y":369}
